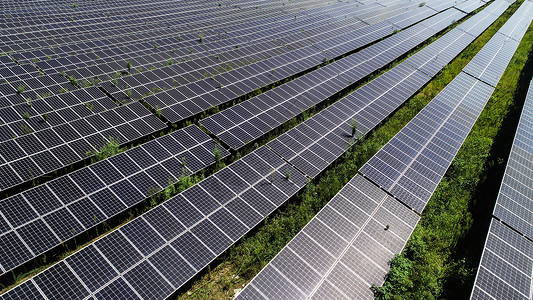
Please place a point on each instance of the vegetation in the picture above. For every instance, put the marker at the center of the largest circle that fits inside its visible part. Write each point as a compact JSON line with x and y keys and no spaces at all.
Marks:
{"x":20,"y":89}
{"x":112,"y":147}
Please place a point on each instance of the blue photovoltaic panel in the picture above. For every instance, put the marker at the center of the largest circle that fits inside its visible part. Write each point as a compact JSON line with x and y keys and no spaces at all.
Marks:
{"x":155,"y":257}
{"x":238,"y":127}
{"x":519,"y":22}
{"x":491,"y":61}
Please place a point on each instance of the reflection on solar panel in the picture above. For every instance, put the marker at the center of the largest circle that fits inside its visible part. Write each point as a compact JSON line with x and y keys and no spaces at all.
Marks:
{"x":159,"y":251}
{"x":345,"y":248}
{"x":45,"y":216}
{"x":506,"y":264}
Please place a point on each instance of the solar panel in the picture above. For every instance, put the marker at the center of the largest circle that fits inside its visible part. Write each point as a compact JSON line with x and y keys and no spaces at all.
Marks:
{"x":202,"y":223}
{"x":469,"y":6}
{"x":285,"y":102}
{"x":513,"y":205}
{"x":73,"y":203}
{"x":411,"y":164}
{"x":517,"y":25}
{"x":346,"y":247}
{"x":30,"y":159}
{"x":488,"y":65}
{"x":505,"y":268}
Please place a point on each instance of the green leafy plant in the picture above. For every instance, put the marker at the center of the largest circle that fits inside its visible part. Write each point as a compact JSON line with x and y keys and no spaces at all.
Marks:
{"x":288,"y":173}
{"x":20,"y":89}
{"x":73,"y":80}
{"x":353,"y":125}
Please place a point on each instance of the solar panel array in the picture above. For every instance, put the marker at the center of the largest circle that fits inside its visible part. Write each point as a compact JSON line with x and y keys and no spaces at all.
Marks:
{"x":505,"y":269}
{"x":43,"y":217}
{"x":314,"y":144}
{"x":156,"y":253}
{"x":251,"y":194}
{"x":349,"y":272}
{"x":35,"y":154}
{"x":222,"y":88}
{"x":244,"y":123}
{"x":411,"y":165}
{"x":359,"y":229}
{"x":179,"y":72}
{"x":45,"y":103}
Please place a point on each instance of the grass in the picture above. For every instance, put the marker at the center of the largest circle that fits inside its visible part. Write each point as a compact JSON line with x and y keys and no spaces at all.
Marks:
{"x":245,"y":259}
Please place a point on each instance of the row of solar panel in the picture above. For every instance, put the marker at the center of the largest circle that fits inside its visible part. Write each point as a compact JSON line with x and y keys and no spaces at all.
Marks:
{"x":342,"y":251}
{"x":505,"y":268}
{"x":35,"y":154}
{"x":412,"y":164}
{"x":43,"y":217}
{"x":237,"y":129}
{"x":238,"y":186}
{"x":159,"y":251}
{"x":506,"y":264}
{"x":41,"y":114}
